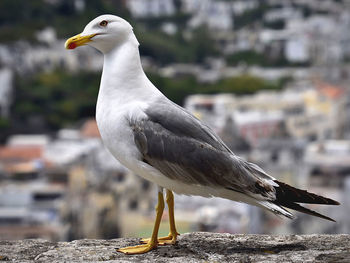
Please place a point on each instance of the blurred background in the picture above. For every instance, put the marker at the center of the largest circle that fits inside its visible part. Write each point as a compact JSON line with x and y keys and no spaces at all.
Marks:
{"x":272,"y":78}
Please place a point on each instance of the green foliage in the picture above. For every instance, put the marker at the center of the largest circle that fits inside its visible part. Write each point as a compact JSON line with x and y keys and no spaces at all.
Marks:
{"x":202,"y":45}
{"x":158,"y":46}
{"x":250,"y":16}
{"x":179,"y":88}
{"x":277,"y":25}
{"x":176,"y":89}
{"x":173,"y":48}
{"x":167,"y":49}
{"x":245,"y":84}
{"x":21,"y":19}
{"x":180,"y":19}
{"x":4,"y":123}
{"x":250,"y":57}
{"x":14,"y":14}
{"x":59,"y":98}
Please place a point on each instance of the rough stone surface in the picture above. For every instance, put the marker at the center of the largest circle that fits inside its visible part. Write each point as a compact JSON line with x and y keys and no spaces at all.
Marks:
{"x":192,"y":247}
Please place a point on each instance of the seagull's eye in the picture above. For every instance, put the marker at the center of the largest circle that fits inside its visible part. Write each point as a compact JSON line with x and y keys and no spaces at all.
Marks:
{"x":104,"y":23}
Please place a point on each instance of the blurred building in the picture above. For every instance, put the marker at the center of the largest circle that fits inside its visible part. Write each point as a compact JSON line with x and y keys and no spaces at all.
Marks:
{"x":151,"y":8}
{"x":68,"y":187}
{"x":316,"y":111}
{"x":328,"y":162}
{"x":29,"y":203}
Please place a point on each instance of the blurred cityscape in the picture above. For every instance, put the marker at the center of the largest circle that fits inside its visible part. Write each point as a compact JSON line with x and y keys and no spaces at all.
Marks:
{"x":272,"y":78}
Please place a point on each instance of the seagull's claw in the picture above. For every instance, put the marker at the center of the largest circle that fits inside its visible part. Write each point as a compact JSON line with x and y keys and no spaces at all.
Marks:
{"x":162,"y":241}
{"x":140,"y":249}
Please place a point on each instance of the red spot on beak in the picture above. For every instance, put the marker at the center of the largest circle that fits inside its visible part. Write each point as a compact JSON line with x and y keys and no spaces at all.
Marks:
{"x":72,"y":45}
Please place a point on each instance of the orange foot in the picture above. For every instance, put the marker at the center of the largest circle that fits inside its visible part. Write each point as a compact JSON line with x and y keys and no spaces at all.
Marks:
{"x":162,"y":241}
{"x":140,"y":249}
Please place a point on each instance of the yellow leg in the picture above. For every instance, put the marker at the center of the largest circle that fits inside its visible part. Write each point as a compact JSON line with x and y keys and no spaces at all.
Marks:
{"x":171,"y":238}
{"x":152,"y":242}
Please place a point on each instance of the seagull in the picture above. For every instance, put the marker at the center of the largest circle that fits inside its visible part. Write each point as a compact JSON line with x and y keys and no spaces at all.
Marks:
{"x":164,"y":143}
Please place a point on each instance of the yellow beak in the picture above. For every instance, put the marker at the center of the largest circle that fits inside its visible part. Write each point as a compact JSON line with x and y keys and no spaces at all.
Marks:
{"x":78,"y":40}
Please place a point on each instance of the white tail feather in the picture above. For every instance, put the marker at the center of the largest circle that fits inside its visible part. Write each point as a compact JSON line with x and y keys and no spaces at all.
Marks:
{"x":275,"y":209}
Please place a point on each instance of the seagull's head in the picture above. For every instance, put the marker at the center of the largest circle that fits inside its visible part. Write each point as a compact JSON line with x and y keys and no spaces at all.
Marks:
{"x":104,"y":33}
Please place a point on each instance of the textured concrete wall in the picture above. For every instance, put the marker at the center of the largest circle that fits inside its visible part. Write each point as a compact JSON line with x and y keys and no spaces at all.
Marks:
{"x":193,"y":247}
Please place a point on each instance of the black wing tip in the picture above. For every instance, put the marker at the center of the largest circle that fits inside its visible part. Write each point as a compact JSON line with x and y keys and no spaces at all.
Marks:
{"x":311,"y":212}
{"x":290,"y":197}
{"x":335,"y":202}
{"x":326,"y":218}
{"x":302,"y":209}
{"x":287,"y":193}
{"x":323,"y":216}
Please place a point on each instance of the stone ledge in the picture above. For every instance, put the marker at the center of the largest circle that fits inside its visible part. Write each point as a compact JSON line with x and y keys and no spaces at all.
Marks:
{"x":191,"y":247}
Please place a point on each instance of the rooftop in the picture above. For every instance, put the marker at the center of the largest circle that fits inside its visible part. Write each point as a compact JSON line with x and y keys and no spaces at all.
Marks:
{"x":90,"y":129}
{"x":22,"y":153}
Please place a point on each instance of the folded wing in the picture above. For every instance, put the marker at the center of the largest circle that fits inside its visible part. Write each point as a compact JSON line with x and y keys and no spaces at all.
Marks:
{"x":182,"y":148}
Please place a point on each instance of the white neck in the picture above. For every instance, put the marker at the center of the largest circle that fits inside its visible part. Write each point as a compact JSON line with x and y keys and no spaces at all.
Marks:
{"x":122,"y":67}
{"x":123,"y":79}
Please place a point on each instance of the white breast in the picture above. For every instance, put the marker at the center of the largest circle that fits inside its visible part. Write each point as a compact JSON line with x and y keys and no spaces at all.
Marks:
{"x":116,"y":134}
{"x":125,"y":93}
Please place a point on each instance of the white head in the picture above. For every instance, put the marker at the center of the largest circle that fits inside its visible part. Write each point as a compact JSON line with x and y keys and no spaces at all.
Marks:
{"x":103,"y":33}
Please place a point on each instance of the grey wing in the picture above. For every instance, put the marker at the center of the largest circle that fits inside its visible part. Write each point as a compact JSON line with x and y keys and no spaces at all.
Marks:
{"x":182,"y":123}
{"x":178,"y":145}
